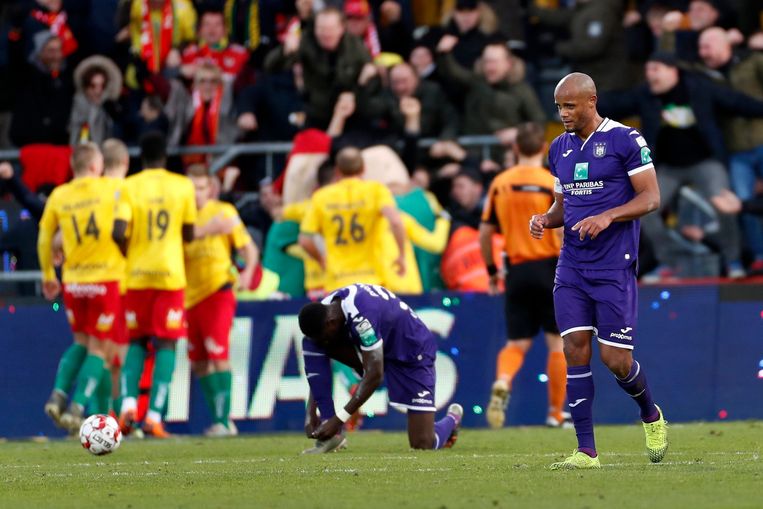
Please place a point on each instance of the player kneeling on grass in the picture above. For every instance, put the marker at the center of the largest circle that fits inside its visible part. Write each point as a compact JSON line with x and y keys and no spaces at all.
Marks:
{"x":369,"y":329}
{"x":210,"y":301}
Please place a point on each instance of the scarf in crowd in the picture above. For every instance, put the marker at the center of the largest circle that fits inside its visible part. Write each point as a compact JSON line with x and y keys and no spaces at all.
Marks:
{"x":148,"y":41}
{"x":371,"y":40}
{"x":57,"y":23}
{"x":286,"y":26}
{"x":206,"y":120}
{"x":251,"y":36}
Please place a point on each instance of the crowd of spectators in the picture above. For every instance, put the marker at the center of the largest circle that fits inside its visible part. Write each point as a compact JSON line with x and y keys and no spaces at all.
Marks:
{"x":327,"y":74}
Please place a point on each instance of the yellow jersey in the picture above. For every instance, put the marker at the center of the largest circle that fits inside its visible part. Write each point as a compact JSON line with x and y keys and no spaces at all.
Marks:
{"x":208,"y":263}
{"x":84,"y":211}
{"x":416,"y":235}
{"x":156,"y":204}
{"x":346,"y":214}
{"x":314,"y":277}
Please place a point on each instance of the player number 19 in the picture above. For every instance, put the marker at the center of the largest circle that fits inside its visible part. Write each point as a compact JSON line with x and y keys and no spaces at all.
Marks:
{"x":159,"y":219}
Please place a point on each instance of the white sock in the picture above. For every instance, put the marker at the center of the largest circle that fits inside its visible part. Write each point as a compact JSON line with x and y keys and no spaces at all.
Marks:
{"x":129,"y":403}
{"x":154,"y":416}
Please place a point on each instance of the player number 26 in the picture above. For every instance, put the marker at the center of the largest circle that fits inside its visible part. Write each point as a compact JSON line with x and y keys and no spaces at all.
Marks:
{"x":355,"y":232}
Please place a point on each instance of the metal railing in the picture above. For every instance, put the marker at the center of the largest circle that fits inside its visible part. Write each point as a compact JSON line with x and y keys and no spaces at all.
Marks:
{"x":225,"y":154}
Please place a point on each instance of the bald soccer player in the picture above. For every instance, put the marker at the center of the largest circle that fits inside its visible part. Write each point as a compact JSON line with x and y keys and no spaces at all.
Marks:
{"x":605,"y":181}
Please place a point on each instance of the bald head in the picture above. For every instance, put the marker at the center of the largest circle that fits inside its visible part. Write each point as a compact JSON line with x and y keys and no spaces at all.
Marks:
{"x":577,"y":84}
{"x":575,"y":98}
{"x":714,"y":47}
{"x":349,"y":162}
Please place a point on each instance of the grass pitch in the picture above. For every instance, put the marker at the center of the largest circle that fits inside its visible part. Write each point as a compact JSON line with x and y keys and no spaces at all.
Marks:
{"x":708,"y":465}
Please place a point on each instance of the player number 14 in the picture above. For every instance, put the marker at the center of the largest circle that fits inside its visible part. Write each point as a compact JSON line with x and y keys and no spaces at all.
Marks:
{"x":90,"y":229}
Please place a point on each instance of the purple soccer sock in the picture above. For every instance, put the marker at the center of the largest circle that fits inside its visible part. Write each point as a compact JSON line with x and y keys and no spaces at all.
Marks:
{"x":637,"y":388}
{"x":580,"y":394}
{"x":443,"y":429}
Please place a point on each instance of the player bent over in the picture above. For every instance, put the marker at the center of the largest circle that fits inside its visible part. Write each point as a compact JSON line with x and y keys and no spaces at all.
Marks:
{"x":369,"y":329}
{"x":211,"y":304}
{"x":83,"y":209}
{"x":605,"y":181}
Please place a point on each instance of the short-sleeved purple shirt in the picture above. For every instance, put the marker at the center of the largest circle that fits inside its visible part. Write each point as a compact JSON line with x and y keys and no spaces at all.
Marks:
{"x":594,"y":176}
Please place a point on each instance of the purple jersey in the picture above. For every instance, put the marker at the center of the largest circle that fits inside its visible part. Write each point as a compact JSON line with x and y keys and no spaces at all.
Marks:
{"x":594,"y":176}
{"x":376,"y":318}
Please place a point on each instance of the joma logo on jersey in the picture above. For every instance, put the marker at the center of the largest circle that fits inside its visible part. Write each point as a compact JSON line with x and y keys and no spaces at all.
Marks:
{"x":105,"y":322}
{"x":174,"y":318}
{"x":581,"y":171}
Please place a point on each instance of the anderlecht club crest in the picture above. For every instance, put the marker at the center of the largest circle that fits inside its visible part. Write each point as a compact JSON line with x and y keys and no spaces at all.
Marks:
{"x":599,"y":149}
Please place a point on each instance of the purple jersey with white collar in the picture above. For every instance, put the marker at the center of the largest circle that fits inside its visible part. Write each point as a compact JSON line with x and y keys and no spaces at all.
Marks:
{"x":594,"y":176}
{"x":376,"y":318}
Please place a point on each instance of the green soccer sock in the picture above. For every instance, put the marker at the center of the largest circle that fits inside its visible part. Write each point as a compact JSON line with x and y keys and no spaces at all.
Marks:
{"x":117,"y":404}
{"x":132,"y":369}
{"x":88,"y":379}
{"x":222,"y":387}
{"x":160,"y":388}
{"x":208,"y":389}
{"x":101,"y":403}
{"x":68,"y":367}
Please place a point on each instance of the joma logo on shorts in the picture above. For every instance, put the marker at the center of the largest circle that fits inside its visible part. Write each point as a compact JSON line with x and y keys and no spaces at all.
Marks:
{"x":620,"y":336}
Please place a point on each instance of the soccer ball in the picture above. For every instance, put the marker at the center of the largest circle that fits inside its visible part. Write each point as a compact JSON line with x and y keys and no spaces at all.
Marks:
{"x":100,"y":434}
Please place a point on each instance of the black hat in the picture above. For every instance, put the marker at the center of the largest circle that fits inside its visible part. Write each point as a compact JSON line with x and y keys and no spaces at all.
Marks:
{"x":664,"y":57}
{"x":469,"y":173}
{"x":466,"y":5}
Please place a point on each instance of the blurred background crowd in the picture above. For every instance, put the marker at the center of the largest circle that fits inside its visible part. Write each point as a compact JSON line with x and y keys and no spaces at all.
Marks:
{"x":432,"y":91}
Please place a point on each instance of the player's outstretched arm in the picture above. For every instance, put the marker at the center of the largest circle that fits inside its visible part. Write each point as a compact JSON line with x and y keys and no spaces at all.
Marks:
{"x":218,"y":225}
{"x":646,"y":200}
{"x":373,"y":374}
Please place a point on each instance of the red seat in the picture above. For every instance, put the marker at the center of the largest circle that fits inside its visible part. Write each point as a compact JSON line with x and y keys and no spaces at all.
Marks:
{"x":45,"y":164}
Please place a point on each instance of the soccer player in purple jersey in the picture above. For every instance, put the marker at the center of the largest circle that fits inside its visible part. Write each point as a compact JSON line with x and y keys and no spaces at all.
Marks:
{"x":369,"y":329}
{"x":605,"y":181}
